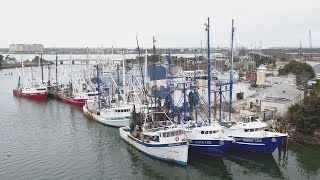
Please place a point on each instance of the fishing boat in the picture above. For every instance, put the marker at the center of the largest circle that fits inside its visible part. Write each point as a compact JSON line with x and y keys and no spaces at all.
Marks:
{"x":30,"y":89}
{"x":107,"y":110}
{"x":36,"y":92}
{"x":77,"y":99}
{"x":208,"y":139}
{"x":253,"y":135}
{"x":160,"y":139}
{"x":79,"y":89}
{"x":115,"y":116}
{"x":77,"y":93}
{"x":205,"y":136}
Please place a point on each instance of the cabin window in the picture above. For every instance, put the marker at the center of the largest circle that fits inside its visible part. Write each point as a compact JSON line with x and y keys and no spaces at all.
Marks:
{"x":172,"y":133}
{"x":177,"y":133}
{"x":168,"y":134}
{"x":251,"y":130}
{"x":164,"y":134}
{"x":206,"y":132}
{"x":256,"y":129}
{"x":210,"y":132}
{"x":202,"y":132}
{"x":246,"y":130}
{"x":160,"y":135}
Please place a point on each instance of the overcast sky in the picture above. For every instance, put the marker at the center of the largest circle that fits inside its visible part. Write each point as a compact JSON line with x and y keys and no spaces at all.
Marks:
{"x":174,"y":23}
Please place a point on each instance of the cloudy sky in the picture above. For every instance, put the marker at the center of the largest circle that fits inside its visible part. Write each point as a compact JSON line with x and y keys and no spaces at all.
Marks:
{"x":174,"y":23}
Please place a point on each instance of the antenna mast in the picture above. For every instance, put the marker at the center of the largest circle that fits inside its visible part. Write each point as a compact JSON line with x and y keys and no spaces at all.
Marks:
{"x":209,"y":70}
{"x":310,"y":44}
{"x":231,"y":70}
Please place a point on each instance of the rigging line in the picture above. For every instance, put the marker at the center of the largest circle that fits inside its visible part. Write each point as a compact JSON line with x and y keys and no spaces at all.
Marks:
{"x":232,"y":114}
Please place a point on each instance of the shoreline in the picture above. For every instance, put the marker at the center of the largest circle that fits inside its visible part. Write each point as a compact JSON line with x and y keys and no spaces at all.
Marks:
{"x":309,"y":139}
{"x":18,"y":65}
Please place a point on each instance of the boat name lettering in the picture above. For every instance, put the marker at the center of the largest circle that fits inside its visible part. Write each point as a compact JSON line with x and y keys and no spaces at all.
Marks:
{"x":173,"y":144}
{"x":248,"y":140}
{"x":201,"y":142}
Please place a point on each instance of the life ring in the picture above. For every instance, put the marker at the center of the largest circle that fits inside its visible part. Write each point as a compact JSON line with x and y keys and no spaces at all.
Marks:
{"x":177,"y":138}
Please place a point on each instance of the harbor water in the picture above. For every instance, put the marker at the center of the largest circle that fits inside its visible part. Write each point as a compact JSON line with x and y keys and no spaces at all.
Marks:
{"x":54,"y":140}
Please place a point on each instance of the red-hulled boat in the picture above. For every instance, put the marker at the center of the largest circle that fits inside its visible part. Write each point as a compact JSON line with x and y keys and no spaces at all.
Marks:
{"x":78,"y":100}
{"x":36,"y":93}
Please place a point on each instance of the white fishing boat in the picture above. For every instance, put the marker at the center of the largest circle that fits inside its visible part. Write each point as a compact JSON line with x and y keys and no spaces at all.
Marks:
{"x":116,"y":115}
{"x":159,"y":139}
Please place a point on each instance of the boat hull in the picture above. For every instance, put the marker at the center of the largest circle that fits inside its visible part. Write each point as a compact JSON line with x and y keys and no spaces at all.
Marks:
{"x":209,"y":147}
{"x":34,"y":96}
{"x":172,"y":152}
{"x":120,"y":122}
{"x":260,"y":145}
{"x":78,"y":102}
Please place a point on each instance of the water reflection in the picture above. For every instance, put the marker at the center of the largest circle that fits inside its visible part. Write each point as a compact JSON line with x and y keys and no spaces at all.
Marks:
{"x":307,"y":158}
{"x":152,"y":168}
{"x":210,"y":167}
{"x":258,"y":165}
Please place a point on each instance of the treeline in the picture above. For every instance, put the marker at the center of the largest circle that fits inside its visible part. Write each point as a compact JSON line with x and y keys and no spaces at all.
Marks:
{"x":297,"y":68}
{"x":306,"y":115}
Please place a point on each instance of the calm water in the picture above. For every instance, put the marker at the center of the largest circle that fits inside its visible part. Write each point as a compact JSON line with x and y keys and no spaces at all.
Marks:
{"x":54,"y":140}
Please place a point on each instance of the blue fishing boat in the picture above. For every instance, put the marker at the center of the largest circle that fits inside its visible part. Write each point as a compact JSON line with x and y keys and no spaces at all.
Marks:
{"x":251,"y":134}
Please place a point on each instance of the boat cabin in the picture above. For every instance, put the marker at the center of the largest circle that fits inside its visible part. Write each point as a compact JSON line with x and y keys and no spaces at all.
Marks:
{"x":163,"y":135}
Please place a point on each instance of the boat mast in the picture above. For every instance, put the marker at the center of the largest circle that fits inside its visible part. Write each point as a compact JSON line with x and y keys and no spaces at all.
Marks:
{"x":38,"y":61}
{"x":195,"y":79}
{"x":124,"y":78}
{"x":71,"y":74}
{"x":209,"y":70}
{"x":49,"y":75}
{"x":41,"y":67}
{"x":141,"y":69}
{"x":22,"y":70}
{"x":171,"y":89}
{"x":154,"y":71}
{"x":145,"y":68}
{"x":231,"y":70}
{"x":57,"y":69}
{"x":98,"y":87}
{"x":88,"y":68}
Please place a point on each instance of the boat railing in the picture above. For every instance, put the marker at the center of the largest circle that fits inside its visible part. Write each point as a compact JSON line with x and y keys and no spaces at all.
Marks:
{"x":157,"y":125}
